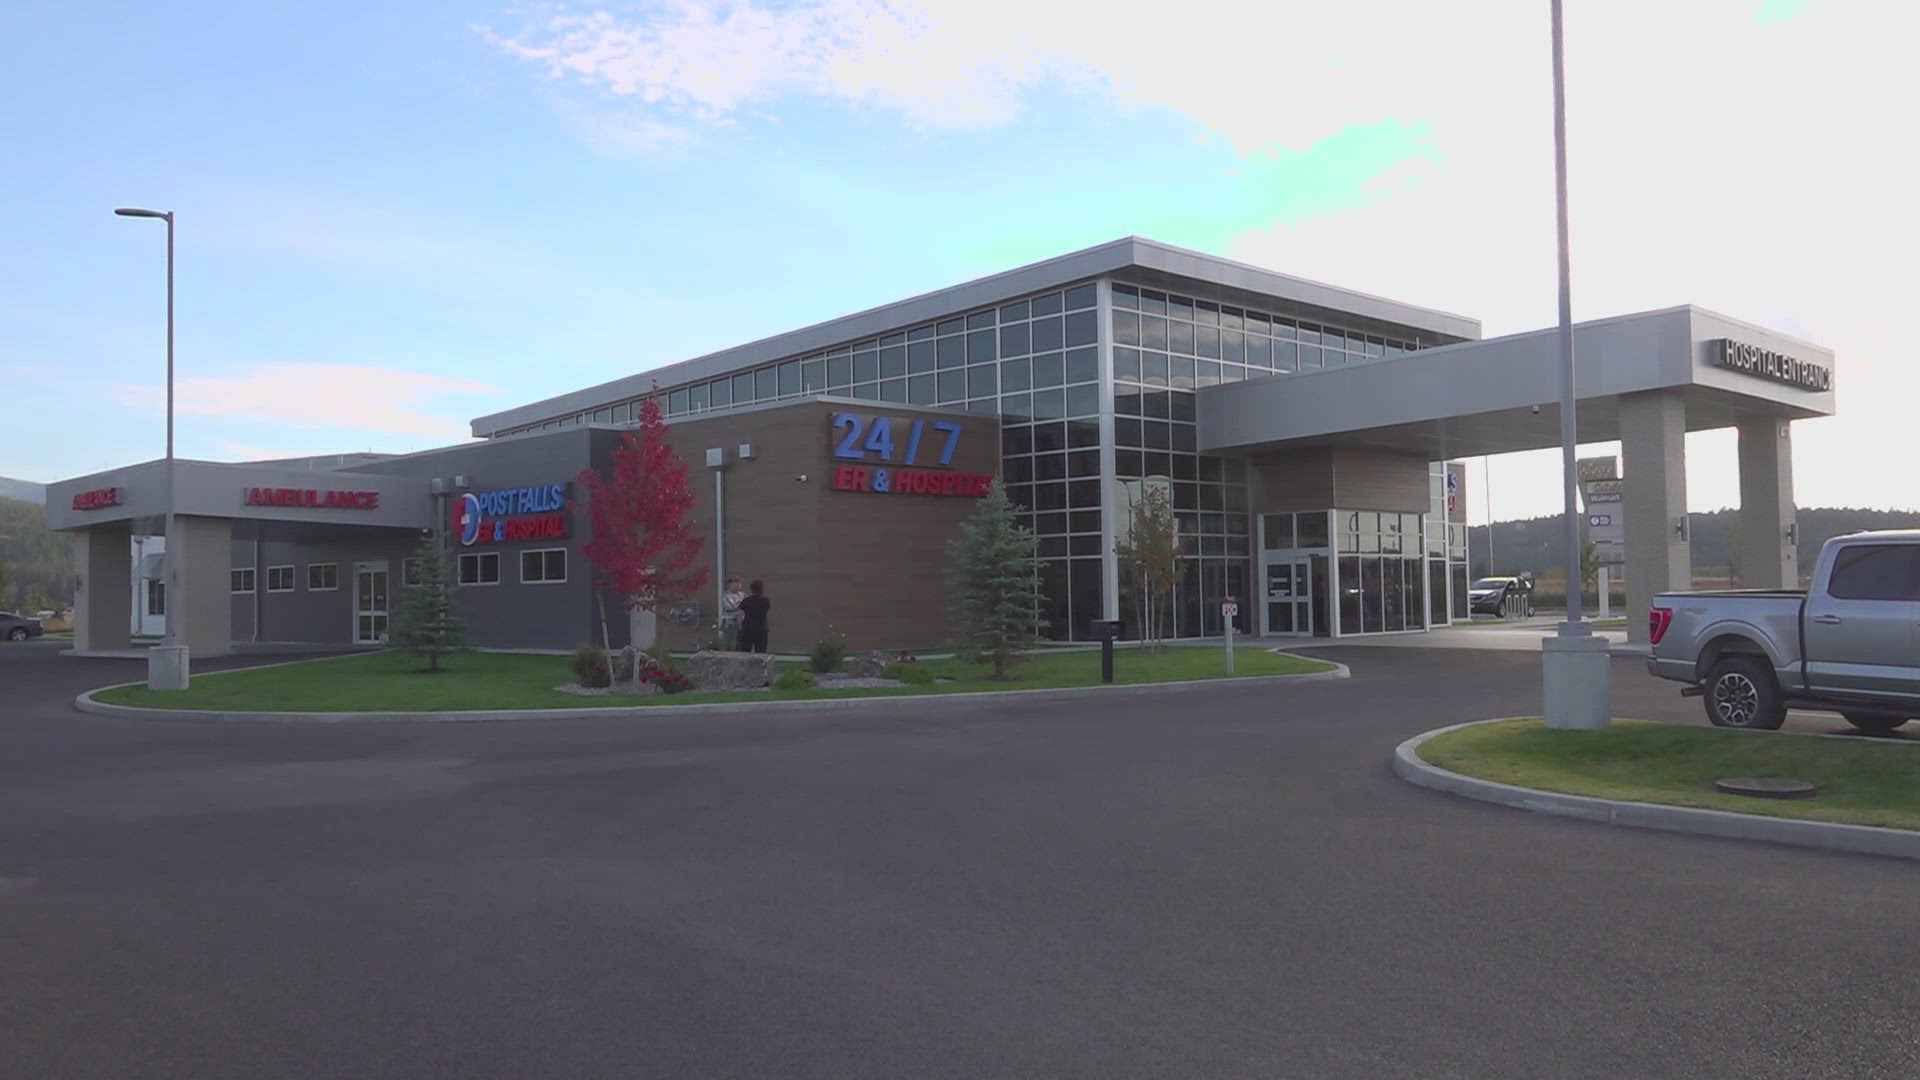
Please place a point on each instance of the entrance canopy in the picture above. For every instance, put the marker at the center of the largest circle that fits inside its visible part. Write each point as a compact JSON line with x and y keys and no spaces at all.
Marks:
{"x":1480,"y":397}
{"x":215,"y":505}
{"x":136,"y":497}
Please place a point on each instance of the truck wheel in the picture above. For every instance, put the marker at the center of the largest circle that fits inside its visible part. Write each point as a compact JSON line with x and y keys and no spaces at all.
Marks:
{"x":1741,"y":693}
{"x":18,"y":633}
{"x":1873,"y":721}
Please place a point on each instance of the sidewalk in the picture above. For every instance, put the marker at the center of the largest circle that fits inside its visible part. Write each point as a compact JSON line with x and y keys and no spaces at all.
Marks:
{"x":1519,"y":635}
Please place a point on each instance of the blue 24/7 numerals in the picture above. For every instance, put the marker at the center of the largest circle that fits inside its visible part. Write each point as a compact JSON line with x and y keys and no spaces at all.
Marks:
{"x":880,"y":438}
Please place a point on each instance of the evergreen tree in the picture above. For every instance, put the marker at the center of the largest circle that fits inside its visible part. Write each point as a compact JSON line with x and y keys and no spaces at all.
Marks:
{"x":996,"y":583}
{"x":428,"y":621}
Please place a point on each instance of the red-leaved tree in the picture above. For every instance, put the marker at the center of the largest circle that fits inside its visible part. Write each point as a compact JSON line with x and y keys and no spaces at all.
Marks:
{"x":643,"y":543}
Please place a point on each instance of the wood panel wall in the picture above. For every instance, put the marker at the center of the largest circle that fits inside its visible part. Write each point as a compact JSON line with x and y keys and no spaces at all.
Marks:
{"x":873,"y":566}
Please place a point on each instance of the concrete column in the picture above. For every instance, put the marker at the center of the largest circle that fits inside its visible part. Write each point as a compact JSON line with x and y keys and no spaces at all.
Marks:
{"x":1653,"y":451}
{"x":199,"y":599}
{"x":1767,"y":561}
{"x":103,"y":602}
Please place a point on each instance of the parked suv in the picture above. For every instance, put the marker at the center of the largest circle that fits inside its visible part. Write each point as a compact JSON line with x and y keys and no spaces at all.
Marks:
{"x":18,"y":627}
{"x":1850,"y":644}
{"x":1492,"y":595}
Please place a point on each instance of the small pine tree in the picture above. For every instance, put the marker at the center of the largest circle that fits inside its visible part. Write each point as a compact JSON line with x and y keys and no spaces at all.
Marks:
{"x":428,"y":620}
{"x":996,"y":583}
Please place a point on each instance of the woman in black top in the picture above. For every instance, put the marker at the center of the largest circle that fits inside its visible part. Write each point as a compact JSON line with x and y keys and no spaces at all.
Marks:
{"x":753,"y":618}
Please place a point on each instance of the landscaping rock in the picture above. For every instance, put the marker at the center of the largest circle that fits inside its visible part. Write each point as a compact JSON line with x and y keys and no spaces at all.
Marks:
{"x":864,"y":667}
{"x":730,"y":670}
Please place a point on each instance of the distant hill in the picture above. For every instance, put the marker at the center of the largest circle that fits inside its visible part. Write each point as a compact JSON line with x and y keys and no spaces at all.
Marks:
{"x":36,"y":558}
{"x":23,"y":490}
{"x":1536,"y":544}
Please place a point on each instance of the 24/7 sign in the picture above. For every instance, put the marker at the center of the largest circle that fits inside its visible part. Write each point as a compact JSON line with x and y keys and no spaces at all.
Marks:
{"x":917,"y":446}
{"x":891,"y":441}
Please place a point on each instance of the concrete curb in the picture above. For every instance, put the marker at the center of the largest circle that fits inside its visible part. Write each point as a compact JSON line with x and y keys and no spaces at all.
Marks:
{"x":917,"y":702}
{"x":1831,"y":836}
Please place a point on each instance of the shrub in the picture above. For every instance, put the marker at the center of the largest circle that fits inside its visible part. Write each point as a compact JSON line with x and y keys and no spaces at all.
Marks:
{"x":827,"y":653}
{"x":669,"y":680}
{"x":590,"y":666}
{"x":910,"y":673}
{"x":795,"y":679}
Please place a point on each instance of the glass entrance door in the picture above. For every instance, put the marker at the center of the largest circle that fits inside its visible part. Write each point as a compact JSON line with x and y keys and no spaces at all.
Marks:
{"x":370,"y":603}
{"x":1288,"y":595}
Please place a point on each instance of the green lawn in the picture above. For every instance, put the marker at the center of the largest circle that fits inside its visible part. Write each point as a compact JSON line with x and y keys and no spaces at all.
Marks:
{"x":1863,"y":782}
{"x":388,"y":682}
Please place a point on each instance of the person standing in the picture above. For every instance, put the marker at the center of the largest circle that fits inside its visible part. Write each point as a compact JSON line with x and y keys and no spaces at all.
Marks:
{"x":753,"y":618}
{"x":730,"y":613}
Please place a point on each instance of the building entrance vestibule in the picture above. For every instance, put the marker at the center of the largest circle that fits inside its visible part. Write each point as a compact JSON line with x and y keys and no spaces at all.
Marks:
{"x":1295,"y":560}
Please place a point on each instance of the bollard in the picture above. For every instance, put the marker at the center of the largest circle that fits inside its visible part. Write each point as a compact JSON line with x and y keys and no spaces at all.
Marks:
{"x":1229,"y":611}
{"x":1106,"y":658}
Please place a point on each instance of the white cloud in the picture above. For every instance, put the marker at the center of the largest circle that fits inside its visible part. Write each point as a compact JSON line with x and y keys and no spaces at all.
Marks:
{"x":319,"y":395}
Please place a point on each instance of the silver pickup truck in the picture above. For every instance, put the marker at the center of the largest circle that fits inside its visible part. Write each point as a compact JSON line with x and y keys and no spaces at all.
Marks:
{"x":1850,"y":644}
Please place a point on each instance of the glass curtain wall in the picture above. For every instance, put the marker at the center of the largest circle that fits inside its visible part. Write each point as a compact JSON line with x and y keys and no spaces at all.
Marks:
{"x":1382,"y":572}
{"x":1165,"y":347}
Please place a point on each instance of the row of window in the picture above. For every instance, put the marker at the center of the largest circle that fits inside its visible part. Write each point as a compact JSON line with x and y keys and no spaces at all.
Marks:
{"x":923,"y":365}
{"x":321,"y":577}
{"x":1204,"y":315}
{"x":541,"y":566}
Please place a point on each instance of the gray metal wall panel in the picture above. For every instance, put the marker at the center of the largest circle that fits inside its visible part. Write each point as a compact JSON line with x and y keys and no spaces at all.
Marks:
{"x":511,"y":614}
{"x":1453,"y":384}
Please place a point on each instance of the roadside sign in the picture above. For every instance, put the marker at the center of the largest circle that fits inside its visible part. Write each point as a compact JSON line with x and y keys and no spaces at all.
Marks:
{"x":1230,"y":610}
{"x":1606,"y":521}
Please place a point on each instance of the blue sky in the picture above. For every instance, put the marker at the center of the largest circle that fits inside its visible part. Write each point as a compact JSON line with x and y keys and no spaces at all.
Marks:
{"x":394,"y":217}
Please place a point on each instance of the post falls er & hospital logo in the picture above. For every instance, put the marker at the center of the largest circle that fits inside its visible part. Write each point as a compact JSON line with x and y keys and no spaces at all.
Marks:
{"x":526,"y":513}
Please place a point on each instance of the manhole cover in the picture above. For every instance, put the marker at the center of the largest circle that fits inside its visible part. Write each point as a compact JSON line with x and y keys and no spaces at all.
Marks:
{"x":1766,"y":787}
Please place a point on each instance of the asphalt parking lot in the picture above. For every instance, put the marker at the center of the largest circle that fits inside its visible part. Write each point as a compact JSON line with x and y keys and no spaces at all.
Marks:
{"x":1224,"y":883}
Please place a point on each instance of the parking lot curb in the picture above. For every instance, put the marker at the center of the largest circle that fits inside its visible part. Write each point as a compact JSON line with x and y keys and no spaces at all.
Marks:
{"x":1831,"y":836}
{"x":87,"y":703}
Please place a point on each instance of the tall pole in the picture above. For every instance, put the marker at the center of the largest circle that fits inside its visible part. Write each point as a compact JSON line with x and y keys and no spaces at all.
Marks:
{"x":167,"y":665}
{"x":168,"y":563}
{"x":1574,"y":661}
{"x":1574,"y":626}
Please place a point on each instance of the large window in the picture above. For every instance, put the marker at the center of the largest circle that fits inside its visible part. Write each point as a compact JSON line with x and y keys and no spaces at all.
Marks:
{"x":323,"y":577}
{"x":545,"y":566}
{"x":280,"y":578}
{"x":242,"y":580}
{"x":480,"y":568}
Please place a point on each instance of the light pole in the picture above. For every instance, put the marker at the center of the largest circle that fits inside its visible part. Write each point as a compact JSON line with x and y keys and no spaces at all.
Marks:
{"x":1574,"y":660}
{"x":167,"y":663}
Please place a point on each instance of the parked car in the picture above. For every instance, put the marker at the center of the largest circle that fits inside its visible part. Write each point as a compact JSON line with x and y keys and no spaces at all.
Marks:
{"x":1850,"y":644}
{"x":1490,"y":595}
{"x":18,"y":627}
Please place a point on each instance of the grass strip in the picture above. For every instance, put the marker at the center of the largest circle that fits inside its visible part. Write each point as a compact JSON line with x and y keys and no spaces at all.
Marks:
{"x":1861,"y":781}
{"x":390,"y":682}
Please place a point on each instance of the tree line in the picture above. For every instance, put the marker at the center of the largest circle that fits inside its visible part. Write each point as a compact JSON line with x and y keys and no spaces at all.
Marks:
{"x":1538,"y":544}
{"x":36,"y":563}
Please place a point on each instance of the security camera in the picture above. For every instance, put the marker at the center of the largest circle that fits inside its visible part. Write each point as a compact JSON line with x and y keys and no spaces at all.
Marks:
{"x":802,"y":478}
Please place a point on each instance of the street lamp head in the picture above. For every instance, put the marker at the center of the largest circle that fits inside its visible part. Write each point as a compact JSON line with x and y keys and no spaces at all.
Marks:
{"x":134,"y":211}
